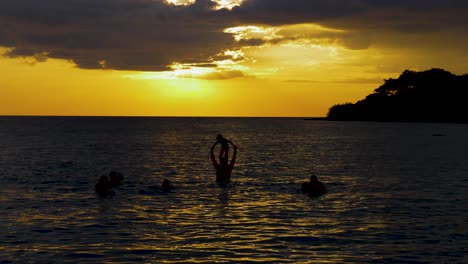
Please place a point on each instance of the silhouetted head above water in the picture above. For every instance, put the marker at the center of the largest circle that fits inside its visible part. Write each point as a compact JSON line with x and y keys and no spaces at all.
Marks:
{"x":103,"y":186}
{"x":166,"y":185}
{"x":314,"y":187}
{"x":103,"y":179}
{"x":313,"y":178}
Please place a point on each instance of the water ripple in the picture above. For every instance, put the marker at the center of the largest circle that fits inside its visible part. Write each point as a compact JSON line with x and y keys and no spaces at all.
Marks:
{"x":386,"y":201}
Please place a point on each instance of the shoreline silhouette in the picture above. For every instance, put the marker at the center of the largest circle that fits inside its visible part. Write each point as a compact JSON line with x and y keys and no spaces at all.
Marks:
{"x":432,"y":96}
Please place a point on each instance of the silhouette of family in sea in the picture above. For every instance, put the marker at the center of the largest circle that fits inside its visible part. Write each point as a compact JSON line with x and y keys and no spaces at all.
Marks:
{"x":223,"y":169}
{"x":105,"y":184}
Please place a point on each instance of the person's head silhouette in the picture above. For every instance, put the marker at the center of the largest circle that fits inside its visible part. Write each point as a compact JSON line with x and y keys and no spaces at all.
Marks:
{"x":103,"y":179}
{"x":166,"y":185}
{"x":313,"y":178}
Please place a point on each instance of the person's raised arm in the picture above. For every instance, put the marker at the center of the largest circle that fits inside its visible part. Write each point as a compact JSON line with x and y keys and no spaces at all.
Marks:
{"x":213,"y":159}
{"x":234,"y":155}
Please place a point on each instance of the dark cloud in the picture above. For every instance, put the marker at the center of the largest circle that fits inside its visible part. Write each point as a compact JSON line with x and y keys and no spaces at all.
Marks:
{"x":223,"y":75}
{"x":127,"y":34}
{"x":149,"y":35}
{"x":280,"y":12}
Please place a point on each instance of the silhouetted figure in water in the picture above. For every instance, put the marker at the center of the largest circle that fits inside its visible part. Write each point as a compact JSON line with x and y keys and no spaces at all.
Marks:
{"x":103,"y":186}
{"x":166,"y":185}
{"x":115,"y":179}
{"x":223,"y":168}
{"x":314,"y":187}
{"x":224,"y":152}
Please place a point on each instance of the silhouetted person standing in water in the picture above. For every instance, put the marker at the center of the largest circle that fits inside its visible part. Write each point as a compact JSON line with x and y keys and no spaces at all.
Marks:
{"x":223,"y":169}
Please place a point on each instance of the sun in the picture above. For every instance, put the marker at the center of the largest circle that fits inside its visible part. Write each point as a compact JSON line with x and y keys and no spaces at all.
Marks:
{"x":188,"y":89}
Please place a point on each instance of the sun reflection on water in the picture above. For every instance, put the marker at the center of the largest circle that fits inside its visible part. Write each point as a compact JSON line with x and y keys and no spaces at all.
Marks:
{"x":375,"y":210}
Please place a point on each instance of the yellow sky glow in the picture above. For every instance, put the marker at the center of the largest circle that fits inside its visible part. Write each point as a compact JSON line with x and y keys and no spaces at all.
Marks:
{"x":300,"y":70}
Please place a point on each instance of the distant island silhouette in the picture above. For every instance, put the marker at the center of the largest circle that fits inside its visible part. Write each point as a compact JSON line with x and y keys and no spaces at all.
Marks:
{"x":431,"y":96}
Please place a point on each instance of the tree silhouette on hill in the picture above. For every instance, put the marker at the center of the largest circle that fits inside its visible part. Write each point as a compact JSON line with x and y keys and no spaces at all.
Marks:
{"x":435,"y":95}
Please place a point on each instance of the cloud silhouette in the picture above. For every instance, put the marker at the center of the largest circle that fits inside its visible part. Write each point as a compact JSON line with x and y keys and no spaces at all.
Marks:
{"x":150,"y":35}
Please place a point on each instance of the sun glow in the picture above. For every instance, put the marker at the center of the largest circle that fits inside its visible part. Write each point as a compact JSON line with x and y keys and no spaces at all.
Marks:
{"x":287,"y":51}
{"x":252,"y":32}
{"x":228,"y":4}
{"x":181,"y":70}
{"x":180,"y":2}
{"x":187,"y":89}
{"x":230,"y":65}
{"x":219,"y":4}
{"x":289,"y":32}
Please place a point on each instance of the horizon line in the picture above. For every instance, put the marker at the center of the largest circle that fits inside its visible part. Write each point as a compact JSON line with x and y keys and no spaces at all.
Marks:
{"x":150,"y":116}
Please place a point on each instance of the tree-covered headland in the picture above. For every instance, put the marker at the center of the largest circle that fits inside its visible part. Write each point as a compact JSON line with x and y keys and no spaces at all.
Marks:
{"x":435,"y":95}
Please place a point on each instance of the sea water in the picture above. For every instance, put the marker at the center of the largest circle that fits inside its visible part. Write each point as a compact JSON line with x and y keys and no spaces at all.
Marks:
{"x":397,"y":192}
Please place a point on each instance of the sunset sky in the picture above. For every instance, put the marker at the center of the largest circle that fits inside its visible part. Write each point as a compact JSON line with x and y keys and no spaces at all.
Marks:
{"x":217,"y":57}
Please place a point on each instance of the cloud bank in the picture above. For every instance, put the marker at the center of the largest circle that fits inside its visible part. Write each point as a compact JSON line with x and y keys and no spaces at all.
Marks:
{"x":152,"y":35}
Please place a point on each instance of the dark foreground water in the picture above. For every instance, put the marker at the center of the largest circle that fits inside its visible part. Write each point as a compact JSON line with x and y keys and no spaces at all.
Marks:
{"x":397,"y":193}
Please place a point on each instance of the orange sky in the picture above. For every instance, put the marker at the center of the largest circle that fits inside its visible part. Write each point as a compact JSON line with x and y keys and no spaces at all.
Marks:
{"x":292,"y":69}
{"x":57,"y":87}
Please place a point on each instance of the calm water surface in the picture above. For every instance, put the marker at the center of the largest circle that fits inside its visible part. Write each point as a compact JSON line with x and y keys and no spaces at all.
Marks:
{"x":397,"y":193}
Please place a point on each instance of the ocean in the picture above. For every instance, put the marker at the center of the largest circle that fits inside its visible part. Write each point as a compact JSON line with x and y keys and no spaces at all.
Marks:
{"x":397,"y":192}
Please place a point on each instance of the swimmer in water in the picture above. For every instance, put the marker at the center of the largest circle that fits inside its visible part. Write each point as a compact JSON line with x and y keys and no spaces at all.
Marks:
{"x":166,"y":185}
{"x":102,"y":187}
{"x":314,"y":187}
